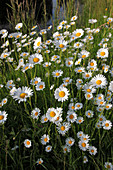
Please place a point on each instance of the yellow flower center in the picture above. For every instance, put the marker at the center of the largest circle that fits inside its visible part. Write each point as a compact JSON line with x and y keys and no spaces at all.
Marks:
{"x":61,"y":93}
{"x":67,"y":80}
{"x":83,"y":144}
{"x":36,"y":82}
{"x":36,"y":60}
{"x":26,"y":68}
{"x":88,"y":90}
{"x":36,"y":113}
{"x":71,"y":116}
{"x":61,"y":46}
{"x":38,"y":43}
{"x":92,"y":150}
{"x":45,"y":139}
{"x":78,"y":34}
{"x":41,"y":86}
{"x":52,"y":114}
{"x":98,"y":82}
{"x":45,"y":119}
{"x":107,"y":124}
{"x":48,"y":148}
{"x":70,"y":142}
{"x":62,"y":128}
{"x":22,"y":95}
{"x":1,"y":117}
{"x":39,"y":162}
{"x":57,"y":74}
{"x":91,"y":64}
{"x":78,"y":105}
{"x":102,"y":53}
{"x":83,"y":56}
{"x":88,"y":95}
{"x":89,"y":114}
{"x":28,"y":143}
{"x":5,"y":56}
{"x":79,"y":71}
{"x":17,"y":36}
{"x":72,"y":107}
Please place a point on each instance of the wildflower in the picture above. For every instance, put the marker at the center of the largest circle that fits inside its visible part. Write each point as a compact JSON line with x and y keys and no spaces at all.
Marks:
{"x":108,"y":165}
{"x":48,"y":148}
{"x":92,"y":150}
{"x":107,"y":125}
{"x":102,"y":53}
{"x":92,"y":21}
{"x":61,"y":94}
{"x":66,"y":148}
{"x":18,"y":26}
{"x":37,"y":43}
{"x":21,"y":94}
{"x":35,"y":59}
{"x":3,"y":117}
{"x":52,"y":114}
{"x":45,"y":139}
{"x":71,"y":116}
{"x":35,"y":81}
{"x":79,"y":120}
{"x":44,"y":119}
{"x":78,"y":33}
{"x":89,"y":113}
{"x":35,"y":113}
{"x":85,"y":159}
{"x":99,"y":81}
{"x":63,"y":127}
{"x":40,"y":86}
{"x":78,"y":106}
{"x":80,"y":134}
{"x":27,"y":143}
{"x":74,"y":18}
{"x":111,"y":86}
{"x":70,"y":141}
{"x":39,"y":161}
{"x":83,"y":145}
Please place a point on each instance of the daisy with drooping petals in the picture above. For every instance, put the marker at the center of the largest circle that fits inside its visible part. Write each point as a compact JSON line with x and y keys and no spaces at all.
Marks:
{"x":39,"y":161}
{"x":27,"y":143}
{"x":61,"y":94}
{"x":21,"y":94}
{"x":99,"y":81}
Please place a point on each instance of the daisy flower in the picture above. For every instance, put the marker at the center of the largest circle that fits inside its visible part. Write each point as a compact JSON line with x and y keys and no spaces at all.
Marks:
{"x":88,"y":96}
{"x":35,"y":113}
{"x":70,"y":141}
{"x":89,"y":113}
{"x":27,"y":143}
{"x":44,"y":119}
{"x":37,"y":43}
{"x":63,"y":127}
{"x":21,"y":94}
{"x":45,"y":139}
{"x":108,"y":165}
{"x":92,"y":150}
{"x":66,"y":148}
{"x":74,"y":18}
{"x":18,"y":26}
{"x":99,"y":81}
{"x":83,"y":54}
{"x":85,"y":159}
{"x":3,"y":117}
{"x":35,"y":59}
{"x":48,"y":148}
{"x":71,"y":116}
{"x":102,"y":53}
{"x":57,"y":73}
{"x":79,"y":120}
{"x":111,"y":86}
{"x":78,"y":33}
{"x":80,"y":134}
{"x":92,"y":21}
{"x":52,"y":114}
{"x":39,"y":161}
{"x":83,"y":145}
{"x":35,"y":81}
{"x":40,"y":86}
{"x":78,"y":106}
{"x":61,"y":94}
{"x":107,"y":125}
